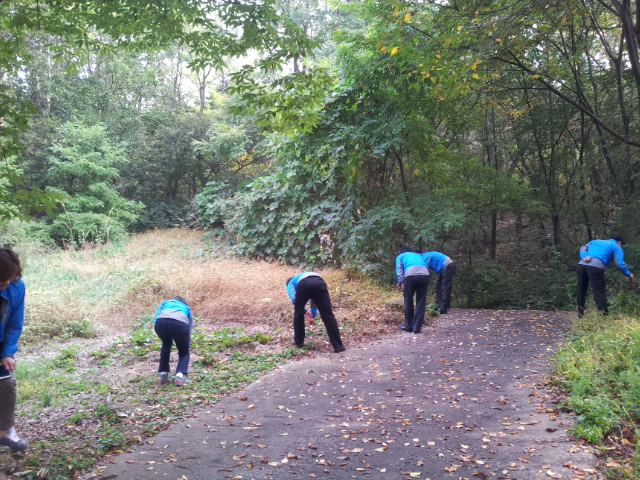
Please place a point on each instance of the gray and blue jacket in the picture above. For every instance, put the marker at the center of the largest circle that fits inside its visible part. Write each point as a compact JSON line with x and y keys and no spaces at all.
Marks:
{"x":602,"y":252}
{"x":175,"y":310}
{"x":436,"y":261}
{"x":409,"y":264}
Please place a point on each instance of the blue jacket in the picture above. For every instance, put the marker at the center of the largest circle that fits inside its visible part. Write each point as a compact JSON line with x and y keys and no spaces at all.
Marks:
{"x":175,"y":309}
{"x":292,"y":286}
{"x":436,"y":261}
{"x":409,"y":264}
{"x":605,"y":251}
{"x":13,"y":320}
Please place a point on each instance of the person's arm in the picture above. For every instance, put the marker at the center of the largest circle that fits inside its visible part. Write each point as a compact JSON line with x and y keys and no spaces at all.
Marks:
{"x":399,"y":270}
{"x":618,"y":258}
{"x":583,"y":252}
{"x":291,"y":291}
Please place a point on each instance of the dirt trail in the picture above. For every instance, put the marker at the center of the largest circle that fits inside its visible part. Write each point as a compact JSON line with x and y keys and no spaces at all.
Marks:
{"x":462,"y":400}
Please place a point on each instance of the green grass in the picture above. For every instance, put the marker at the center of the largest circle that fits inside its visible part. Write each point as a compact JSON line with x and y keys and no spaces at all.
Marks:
{"x":96,"y":425}
{"x":599,"y":368}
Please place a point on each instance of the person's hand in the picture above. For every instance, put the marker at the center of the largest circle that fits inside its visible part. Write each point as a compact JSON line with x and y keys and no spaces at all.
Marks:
{"x":309,"y":318}
{"x":631,"y":276}
{"x":9,"y":363}
{"x":400,"y":286}
{"x":587,"y":258}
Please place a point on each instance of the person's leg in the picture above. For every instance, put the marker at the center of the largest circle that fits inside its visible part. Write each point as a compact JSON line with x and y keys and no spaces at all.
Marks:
{"x":439,"y":299}
{"x":7,"y":404}
{"x":303,"y":295}
{"x":408,"y":291}
{"x":182,"y":339}
{"x":583,"y":285}
{"x":421,"y":286}
{"x":320,"y":296}
{"x":446,"y":283}
{"x":8,"y":436}
{"x":162,"y":326}
{"x":599,"y":288}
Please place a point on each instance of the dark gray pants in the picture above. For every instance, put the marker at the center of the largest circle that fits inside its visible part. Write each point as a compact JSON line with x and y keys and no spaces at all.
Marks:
{"x":415,"y":285}
{"x":594,"y":276}
{"x":443,"y":286}
{"x":7,"y":402}
{"x":315,"y":289}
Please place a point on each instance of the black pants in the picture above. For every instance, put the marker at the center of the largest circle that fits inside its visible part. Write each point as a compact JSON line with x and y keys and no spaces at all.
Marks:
{"x":315,"y":289}
{"x":595,"y":276}
{"x":443,"y":286}
{"x":170,"y":331}
{"x":415,"y":285}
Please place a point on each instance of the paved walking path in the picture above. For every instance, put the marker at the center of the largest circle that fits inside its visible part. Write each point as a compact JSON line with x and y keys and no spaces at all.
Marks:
{"x":462,"y":400}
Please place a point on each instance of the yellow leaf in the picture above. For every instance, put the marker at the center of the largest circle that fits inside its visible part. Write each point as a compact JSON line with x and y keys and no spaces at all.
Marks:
{"x":394,"y":51}
{"x":459,"y":27}
{"x":383,"y":49}
{"x":407,"y":17}
{"x":416,"y":172}
{"x":475,"y":75}
{"x":379,"y":44}
{"x":396,"y":12}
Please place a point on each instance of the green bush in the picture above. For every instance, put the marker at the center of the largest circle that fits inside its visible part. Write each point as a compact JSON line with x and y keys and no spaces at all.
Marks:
{"x":600,"y":369}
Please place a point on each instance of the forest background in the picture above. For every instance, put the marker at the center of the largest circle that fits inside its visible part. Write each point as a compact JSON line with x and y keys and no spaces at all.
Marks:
{"x":505,"y":135}
{"x":329,"y":134}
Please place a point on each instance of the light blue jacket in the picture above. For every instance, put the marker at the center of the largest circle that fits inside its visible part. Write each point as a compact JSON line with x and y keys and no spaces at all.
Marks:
{"x":409,"y":264}
{"x":176,"y":310}
{"x":602,"y":252}
{"x":13,"y":320}
{"x":436,"y":261}
{"x":292,"y":287}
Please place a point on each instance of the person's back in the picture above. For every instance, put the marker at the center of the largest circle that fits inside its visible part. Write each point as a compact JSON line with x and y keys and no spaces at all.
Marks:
{"x":600,"y":253}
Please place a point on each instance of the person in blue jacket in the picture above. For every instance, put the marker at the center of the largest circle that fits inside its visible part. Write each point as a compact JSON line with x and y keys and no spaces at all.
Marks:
{"x":446,"y":269}
{"x":12,"y":293}
{"x":412,"y":276}
{"x":173,"y":323}
{"x":310,"y":286}
{"x":595,"y":257}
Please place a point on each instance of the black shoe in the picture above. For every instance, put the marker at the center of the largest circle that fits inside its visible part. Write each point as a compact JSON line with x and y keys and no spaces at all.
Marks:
{"x":13,"y":441}
{"x":339,"y":349}
{"x":417,"y":331}
{"x":442,"y":311}
{"x":299,"y":345}
{"x":405,"y":329}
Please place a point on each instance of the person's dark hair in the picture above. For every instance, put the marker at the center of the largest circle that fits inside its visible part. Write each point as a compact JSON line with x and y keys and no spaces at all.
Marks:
{"x":180,"y":299}
{"x":619,"y":239}
{"x":287,"y":282}
{"x":405,"y":250}
{"x":10,"y":269}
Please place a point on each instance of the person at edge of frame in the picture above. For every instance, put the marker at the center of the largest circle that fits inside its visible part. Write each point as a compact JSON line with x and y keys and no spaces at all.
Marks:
{"x":595,"y":257}
{"x":12,"y":293}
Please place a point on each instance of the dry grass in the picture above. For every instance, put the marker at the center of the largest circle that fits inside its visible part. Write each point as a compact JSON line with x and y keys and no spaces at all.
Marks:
{"x":115,"y":288}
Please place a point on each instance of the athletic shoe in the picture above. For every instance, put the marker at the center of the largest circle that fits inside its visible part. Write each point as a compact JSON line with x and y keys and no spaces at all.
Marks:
{"x":418,"y":331}
{"x":13,"y":441}
{"x":163,"y":378}
{"x":442,"y":311}
{"x":181,"y":379}
{"x":339,"y":349}
{"x":405,"y":329}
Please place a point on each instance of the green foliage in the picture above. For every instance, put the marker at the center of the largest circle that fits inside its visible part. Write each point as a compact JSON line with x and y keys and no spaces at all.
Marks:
{"x":600,"y":369}
{"x":84,"y":166}
{"x":297,"y":224}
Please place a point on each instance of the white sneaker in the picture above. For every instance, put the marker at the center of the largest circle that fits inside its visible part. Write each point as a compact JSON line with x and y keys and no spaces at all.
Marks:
{"x":13,"y":441}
